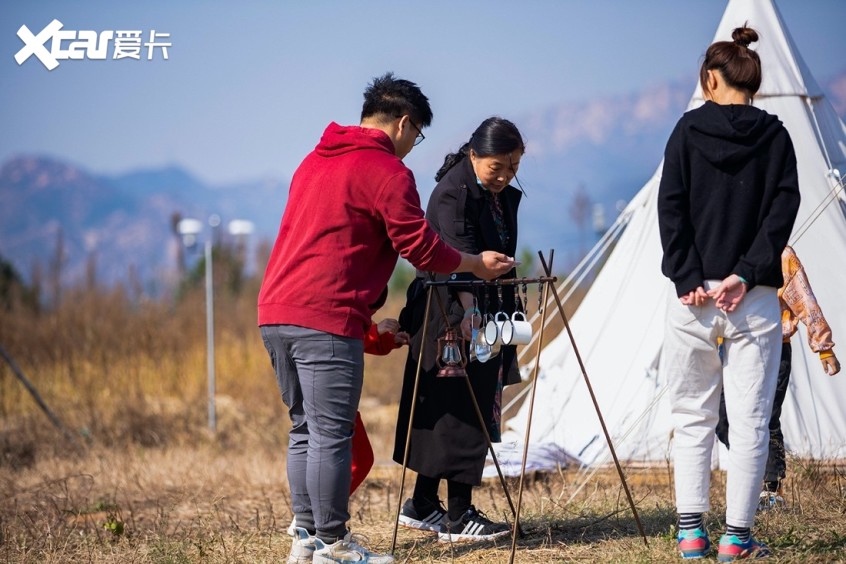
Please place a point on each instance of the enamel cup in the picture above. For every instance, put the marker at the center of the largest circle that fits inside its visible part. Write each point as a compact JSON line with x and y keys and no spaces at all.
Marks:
{"x":491,"y":330}
{"x":518,"y":331}
{"x":494,"y":328}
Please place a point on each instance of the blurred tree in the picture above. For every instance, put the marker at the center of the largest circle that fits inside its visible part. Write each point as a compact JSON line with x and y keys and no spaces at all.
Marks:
{"x":55,"y":268}
{"x":580,"y":208}
{"x":13,"y":290}
{"x":91,"y":272}
{"x":10,"y":284}
{"x":262,"y":256}
{"x":134,"y":285}
{"x":528,"y":258}
{"x":175,"y":218}
{"x":228,"y":265}
{"x":403,"y":275}
{"x":36,"y":285}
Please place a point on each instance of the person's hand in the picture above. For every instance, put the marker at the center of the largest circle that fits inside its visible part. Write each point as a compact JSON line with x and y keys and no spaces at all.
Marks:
{"x":729,"y":293}
{"x":695,"y":297}
{"x":402,"y":338}
{"x":472,"y":320}
{"x":387,"y":326}
{"x":492,"y":264}
{"x":467,"y":328}
{"x":831,"y":365}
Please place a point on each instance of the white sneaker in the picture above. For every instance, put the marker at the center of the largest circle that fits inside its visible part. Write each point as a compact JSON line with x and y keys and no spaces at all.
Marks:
{"x":347,"y":550}
{"x":302,"y":546}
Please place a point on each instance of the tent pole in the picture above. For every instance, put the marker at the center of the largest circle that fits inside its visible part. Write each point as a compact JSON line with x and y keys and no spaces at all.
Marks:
{"x":411,"y":418}
{"x":548,"y":270}
{"x":821,"y":207}
{"x":528,"y":427}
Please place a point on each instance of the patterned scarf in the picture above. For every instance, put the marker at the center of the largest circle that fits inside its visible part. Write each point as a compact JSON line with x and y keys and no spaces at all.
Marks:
{"x":496,"y":211}
{"x":498,"y":217}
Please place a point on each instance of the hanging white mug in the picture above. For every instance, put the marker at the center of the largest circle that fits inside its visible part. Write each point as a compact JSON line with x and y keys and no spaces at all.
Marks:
{"x":504,"y":327}
{"x":491,"y":332}
{"x":518,"y":331}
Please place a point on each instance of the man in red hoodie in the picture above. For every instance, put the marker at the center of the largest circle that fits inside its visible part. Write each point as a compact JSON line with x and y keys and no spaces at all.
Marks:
{"x":353,"y":207}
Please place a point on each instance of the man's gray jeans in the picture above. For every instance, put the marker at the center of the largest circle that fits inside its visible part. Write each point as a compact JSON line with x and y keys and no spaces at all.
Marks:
{"x":320,"y":376}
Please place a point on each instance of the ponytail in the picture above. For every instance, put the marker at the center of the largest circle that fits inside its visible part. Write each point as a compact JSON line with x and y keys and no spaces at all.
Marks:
{"x":451,"y":160}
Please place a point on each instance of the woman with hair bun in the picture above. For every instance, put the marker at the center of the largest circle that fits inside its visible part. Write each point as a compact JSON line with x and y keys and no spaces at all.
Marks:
{"x":473,"y":206}
{"x":727,"y":201}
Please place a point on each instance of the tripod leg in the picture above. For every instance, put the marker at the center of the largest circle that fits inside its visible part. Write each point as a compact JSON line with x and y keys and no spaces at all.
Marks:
{"x":547,"y":269}
{"x":411,"y":419}
{"x":490,"y":447}
{"x":528,"y":427}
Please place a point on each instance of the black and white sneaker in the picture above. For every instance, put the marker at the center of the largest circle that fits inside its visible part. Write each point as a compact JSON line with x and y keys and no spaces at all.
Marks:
{"x":430,"y":519}
{"x":473,"y":526}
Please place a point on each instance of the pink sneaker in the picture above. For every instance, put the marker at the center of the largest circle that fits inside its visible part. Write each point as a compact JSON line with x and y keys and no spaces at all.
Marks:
{"x":693,"y":543}
{"x":732,"y":549}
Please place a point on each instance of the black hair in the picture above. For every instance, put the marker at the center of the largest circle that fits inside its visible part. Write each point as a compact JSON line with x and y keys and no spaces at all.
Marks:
{"x":739,"y":65}
{"x":494,"y":136}
{"x":388,"y":97}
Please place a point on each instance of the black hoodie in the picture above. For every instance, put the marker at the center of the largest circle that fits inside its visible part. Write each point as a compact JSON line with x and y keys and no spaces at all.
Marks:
{"x":728,"y":197}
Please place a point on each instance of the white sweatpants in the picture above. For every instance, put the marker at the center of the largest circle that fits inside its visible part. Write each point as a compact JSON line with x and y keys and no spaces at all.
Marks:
{"x":752,"y":340}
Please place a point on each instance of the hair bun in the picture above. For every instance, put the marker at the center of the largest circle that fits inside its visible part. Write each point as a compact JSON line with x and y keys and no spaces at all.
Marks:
{"x":744,"y":36}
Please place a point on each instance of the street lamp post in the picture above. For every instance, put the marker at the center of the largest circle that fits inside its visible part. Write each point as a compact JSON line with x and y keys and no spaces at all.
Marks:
{"x":214,"y":222}
{"x":190,"y":229}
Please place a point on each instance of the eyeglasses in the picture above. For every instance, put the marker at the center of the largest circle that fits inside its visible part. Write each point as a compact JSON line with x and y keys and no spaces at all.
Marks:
{"x":420,"y":137}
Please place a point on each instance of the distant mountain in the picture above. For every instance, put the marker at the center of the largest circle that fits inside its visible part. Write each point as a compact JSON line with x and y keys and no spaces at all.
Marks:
{"x":836,"y":91}
{"x":604,"y":148}
{"x":121,"y":221}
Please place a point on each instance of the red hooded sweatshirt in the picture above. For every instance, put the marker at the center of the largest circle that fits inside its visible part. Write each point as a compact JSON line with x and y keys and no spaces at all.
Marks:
{"x":352,"y":208}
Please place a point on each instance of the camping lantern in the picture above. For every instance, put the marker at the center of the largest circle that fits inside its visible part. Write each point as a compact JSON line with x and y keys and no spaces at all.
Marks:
{"x":451,"y":361}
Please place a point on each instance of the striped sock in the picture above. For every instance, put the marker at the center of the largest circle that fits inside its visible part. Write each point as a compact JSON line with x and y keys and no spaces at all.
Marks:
{"x":690,"y":521}
{"x":743,"y":533}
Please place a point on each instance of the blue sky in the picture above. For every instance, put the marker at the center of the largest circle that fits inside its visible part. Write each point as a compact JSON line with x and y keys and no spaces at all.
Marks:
{"x":249,"y":86}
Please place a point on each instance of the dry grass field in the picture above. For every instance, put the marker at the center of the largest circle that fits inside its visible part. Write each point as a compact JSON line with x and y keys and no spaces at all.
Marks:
{"x":148,"y":483}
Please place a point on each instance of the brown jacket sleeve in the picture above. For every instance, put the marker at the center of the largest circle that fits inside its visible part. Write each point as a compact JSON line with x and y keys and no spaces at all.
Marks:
{"x":798,"y":303}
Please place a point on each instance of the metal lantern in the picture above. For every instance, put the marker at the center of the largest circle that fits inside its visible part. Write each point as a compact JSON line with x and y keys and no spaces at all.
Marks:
{"x":451,"y":361}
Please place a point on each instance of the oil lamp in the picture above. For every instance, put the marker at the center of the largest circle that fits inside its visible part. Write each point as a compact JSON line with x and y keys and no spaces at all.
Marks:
{"x":451,"y":361}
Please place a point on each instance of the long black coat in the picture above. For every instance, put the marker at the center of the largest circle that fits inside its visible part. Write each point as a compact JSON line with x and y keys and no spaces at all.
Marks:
{"x":447,"y":440}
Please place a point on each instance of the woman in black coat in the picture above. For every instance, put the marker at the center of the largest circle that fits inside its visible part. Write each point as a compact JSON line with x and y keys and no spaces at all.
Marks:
{"x":472,"y":208}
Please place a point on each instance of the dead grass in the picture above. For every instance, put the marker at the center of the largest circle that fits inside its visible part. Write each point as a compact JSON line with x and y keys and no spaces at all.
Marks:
{"x":152,"y":485}
{"x":210,"y":503}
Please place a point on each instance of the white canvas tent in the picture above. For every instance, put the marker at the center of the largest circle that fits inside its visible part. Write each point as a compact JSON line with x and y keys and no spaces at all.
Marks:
{"x":619,"y":324}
